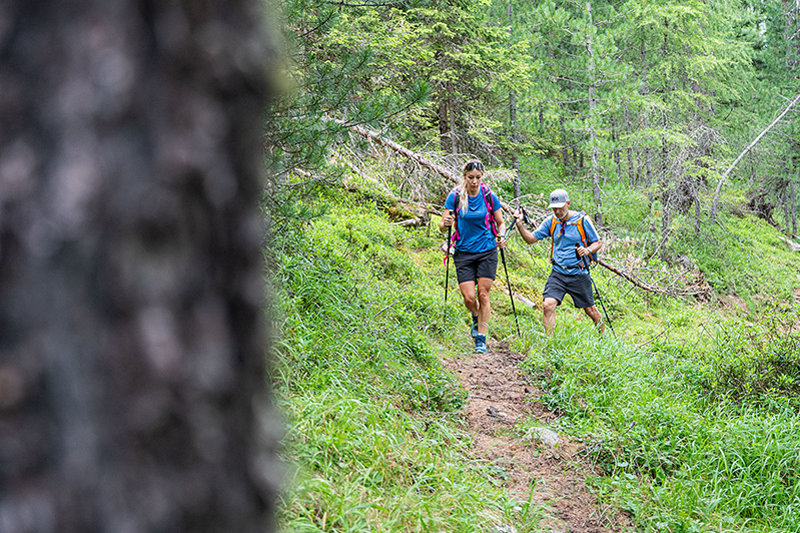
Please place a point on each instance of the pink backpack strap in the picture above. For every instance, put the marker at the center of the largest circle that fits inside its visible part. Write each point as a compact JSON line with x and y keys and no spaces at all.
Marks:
{"x":456,"y":207}
{"x":490,"y":222}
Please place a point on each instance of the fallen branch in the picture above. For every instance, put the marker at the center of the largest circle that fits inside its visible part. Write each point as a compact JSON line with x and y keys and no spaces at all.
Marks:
{"x":440,"y":170}
{"x":749,"y":146}
{"x":376,"y":137}
{"x":699,"y":293}
{"x":792,"y":245}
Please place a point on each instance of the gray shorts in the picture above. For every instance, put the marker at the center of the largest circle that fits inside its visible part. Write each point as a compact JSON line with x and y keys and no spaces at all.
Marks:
{"x":470,"y":267}
{"x":578,"y":286}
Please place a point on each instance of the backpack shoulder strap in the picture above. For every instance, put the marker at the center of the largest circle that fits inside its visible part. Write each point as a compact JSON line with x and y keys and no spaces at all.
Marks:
{"x":490,"y":222}
{"x":553,"y":223}
{"x":457,"y":197}
{"x":579,"y":225}
{"x":582,"y":231}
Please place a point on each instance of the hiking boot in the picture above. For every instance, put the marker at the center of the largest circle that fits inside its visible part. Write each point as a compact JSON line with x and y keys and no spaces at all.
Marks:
{"x":480,"y":344}
{"x":474,"y":330}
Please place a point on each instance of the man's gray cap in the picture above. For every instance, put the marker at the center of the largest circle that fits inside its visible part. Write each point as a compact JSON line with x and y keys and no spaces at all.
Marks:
{"x":558,"y":198}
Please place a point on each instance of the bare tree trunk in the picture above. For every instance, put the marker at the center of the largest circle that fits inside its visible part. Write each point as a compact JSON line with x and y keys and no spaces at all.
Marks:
{"x":512,"y":111}
{"x":794,"y":207}
{"x":697,"y":212}
{"x":453,"y":137}
{"x":132,"y":334}
{"x":615,"y":151}
{"x":564,"y":145}
{"x":444,"y":125}
{"x":715,"y":205}
{"x":784,"y":188}
{"x":512,"y":117}
{"x":632,"y":170}
{"x":598,"y":199}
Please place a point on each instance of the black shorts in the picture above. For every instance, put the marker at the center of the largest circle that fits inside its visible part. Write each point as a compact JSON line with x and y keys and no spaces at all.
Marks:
{"x":578,"y":286}
{"x":470,"y":267}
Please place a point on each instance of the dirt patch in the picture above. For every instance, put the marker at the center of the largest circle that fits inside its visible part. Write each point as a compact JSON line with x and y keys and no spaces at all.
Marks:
{"x":500,"y":398}
{"x":731,"y":301}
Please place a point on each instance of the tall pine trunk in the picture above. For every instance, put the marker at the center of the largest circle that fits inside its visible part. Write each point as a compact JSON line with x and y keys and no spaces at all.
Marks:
{"x":794,"y":207}
{"x":512,"y":113}
{"x":633,"y":178}
{"x":512,"y":119}
{"x":444,"y":125}
{"x":593,"y":142}
{"x":132,"y":335}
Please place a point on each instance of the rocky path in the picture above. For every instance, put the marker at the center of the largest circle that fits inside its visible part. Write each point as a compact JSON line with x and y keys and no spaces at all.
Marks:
{"x":500,"y":398}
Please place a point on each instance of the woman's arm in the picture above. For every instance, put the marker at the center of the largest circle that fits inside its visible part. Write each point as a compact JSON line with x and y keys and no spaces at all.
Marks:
{"x":446,"y":220}
{"x":500,"y":223}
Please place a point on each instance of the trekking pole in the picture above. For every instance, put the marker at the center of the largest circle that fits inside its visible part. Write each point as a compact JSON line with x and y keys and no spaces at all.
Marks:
{"x":447,"y":270}
{"x":597,"y":292}
{"x":508,"y":281}
{"x":510,"y":292}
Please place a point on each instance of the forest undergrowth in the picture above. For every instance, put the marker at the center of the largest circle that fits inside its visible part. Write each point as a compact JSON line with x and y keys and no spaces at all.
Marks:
{"x":690,"y":410}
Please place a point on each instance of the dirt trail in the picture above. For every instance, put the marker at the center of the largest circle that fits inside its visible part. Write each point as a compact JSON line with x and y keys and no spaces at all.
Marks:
{"x":500,"y":397}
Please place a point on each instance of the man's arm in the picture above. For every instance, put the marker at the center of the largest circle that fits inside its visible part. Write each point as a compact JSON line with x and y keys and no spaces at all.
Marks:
{"x":591,"y":233}
{"x":591,"y":249}
{"x":527,"y":236}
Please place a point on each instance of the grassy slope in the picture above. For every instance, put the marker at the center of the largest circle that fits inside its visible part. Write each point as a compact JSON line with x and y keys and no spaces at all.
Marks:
{"x":696,"y":428}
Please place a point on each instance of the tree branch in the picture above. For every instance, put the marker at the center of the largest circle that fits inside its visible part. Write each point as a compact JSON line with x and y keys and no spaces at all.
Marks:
{"x":749,"y":146}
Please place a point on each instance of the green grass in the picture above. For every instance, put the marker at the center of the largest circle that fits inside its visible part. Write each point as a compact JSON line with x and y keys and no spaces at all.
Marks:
{"x":743,"y":255}
{"x":691,"y":411}
{"x":680,"y":454}
{"x":374,"y":440}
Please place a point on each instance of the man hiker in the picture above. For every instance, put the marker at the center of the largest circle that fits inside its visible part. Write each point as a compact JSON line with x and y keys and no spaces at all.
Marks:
{"x":574,"y":241}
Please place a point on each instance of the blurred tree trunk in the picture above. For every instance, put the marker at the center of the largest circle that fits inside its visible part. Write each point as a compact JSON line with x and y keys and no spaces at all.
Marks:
{"x":132,"y":338}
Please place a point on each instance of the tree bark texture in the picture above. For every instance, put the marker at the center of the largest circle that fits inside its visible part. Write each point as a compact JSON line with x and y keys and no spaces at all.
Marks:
{"x":794,"y":208}
{"x":444,"y":125}
{"x":598,"y":199}
{"x":132,"y":338}
{"x":512,"y":118}
{"x":512,"y":114}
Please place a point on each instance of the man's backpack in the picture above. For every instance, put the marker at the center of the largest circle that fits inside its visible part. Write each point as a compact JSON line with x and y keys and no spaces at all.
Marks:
{"x":579,"y":224}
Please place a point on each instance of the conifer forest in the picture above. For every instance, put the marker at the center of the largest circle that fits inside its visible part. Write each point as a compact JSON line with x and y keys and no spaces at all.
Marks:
{"x":675,"y":125}
{"x":232,"y":299}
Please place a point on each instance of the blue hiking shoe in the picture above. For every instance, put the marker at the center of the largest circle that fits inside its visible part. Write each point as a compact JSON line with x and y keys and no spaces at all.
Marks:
{"x":474,"y":330}
{"x":480,"y":344}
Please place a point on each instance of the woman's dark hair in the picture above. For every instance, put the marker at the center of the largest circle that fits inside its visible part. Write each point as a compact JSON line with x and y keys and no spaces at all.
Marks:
{"x":473,"y":165}
{"x":463,"y":199}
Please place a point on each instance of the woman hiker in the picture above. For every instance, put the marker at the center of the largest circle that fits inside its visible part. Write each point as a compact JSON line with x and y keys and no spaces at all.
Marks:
{"x":479,"y":228}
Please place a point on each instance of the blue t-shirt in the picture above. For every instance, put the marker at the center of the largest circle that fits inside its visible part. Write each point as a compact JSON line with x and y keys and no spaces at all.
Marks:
{"x":474,"y":236}
{"x":565,"y":260}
